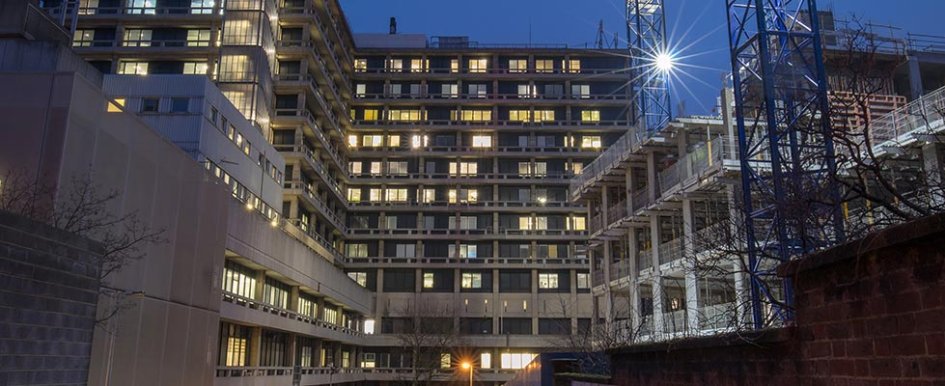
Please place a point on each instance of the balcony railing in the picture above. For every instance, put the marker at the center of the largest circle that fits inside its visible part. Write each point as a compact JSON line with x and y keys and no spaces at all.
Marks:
{"x":921,"y":116}
{"x":644,"y":260}
{"x":320,"y":204}
{"x":146,"y":11}
{"x":316,"y":164}
{"x":613,"y":156}
{"x":495,"y":71}
{"x":306,"y":115}
{"x":493,"y":122}
{"x":287,"y":314}
{"x":426,"y":95}
{"x":470,"y":261}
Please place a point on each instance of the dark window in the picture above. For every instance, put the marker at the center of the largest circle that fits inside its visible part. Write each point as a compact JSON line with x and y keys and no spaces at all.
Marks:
{"x":584,"y":326}
{"x":517,"y":326}
{"x":150,"y":105}
{"x":283,"y":137}
{"x":396,"y":325}
{"x":273,"y":349}
{"x":180,"y":105}
{"x":554,"y":326}
{"x":515,"y":281}
{"x":399,"y":280}
{"x":305,"y":355}
{"x":475,"y":326}
{"x":287,"y":102}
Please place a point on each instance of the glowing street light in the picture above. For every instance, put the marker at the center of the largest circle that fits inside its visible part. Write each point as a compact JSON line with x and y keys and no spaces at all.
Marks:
{"x":468,"y":366}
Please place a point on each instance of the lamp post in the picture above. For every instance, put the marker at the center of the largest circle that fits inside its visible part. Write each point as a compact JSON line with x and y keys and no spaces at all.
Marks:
{"x":469,"y":366}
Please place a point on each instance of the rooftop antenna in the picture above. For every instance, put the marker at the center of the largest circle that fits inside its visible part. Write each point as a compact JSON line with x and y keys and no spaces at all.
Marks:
{"x":600,"y":34}
{"x":615,"y":41}
{"x":393,"y":25}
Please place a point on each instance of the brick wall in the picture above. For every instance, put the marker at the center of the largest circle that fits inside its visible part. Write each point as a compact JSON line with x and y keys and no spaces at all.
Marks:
{"x":48,"y":295}
{"x":868,"y":313}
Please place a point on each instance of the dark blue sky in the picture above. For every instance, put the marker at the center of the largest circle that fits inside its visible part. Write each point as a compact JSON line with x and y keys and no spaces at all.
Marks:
{"x":700,"y":24}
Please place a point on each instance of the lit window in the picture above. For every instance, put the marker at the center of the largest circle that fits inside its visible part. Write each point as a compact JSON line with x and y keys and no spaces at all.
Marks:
{"x":360,"y":89}
{"x":468,"y":222}
{"x":582,"y":91}
{"x":116,"y":105}
{"x":239,"y":280}
{"x":590,"y":142}
{"x":83,"y":38}
{"x":472,"y":115}
{"x":577,"y":167}
{"x":525,"y":222}
{"x":464,"y":196}
{"x":139,"y":7}
{"x":372,"y":141}
{"x":590,"y":116}
{"x":374,"y":194}
{"x":577,"y":223}
{"x":518,"y":65}
{"x":583,"y":280}
{"x":359,"y":277}
{"x":397,"y":168}
{"x":370,"y":115}
{"x":485,"y":360}
{"x":516,"y":360}
{"x":573,"y":66}
{"x":393,"y":140}
{"x":548,"y":280}
{"x":478,"y":65}
{"x":540,"y":169}
{"x":482,"y":141}
{"x":454,"y":66}
{"x":375,"y":168}
{"x":428,"y":195}
{"x":195,"y":68}
{"x":428,"y":280}
{"x":137,"y":38}
{"x":360,"y":65}
{"x":406,"y":115}
{"x":464,"y":168}
{"x":354,"y":167}
{"x":418,"y":141}
{"x":472,"y":280}
{"x":369,"y":326}
{"x":394,"y":65}
{"x":352,"y":141}
{"x":445,"y":361}
{"x":354,"y":194}
{"x":520,"y":115}
{"x":133,"y":68}
{"x":526,"y":91}
{"x":198,"y":38}
{"x":544,"y":66}
{"x":544,"y":116}
{"x":396,"y":195}
{"x":419,"y":65}
{"x":201,"y":7}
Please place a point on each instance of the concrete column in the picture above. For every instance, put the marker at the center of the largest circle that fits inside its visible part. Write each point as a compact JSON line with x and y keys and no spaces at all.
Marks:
{"x":294,"y":299}
{"x":255,"y":346}
{"x":634,"y":287}
{"x":260,"y":283}
{"x":742,"y":286}
{"x":292,"y":345}
{"x":689,"y":264}
{"x":628,"y":188}
{"x":657,"y":276}
{"x":608,"y":296}
{"x":651,"y":176}
{"x":933,"y":162}
{"x":916,"y":88}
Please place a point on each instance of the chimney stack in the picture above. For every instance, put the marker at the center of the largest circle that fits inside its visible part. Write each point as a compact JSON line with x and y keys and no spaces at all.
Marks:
{"x":393,"y":25}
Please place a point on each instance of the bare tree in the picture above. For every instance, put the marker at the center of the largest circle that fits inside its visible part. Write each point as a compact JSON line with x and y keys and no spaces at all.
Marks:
{"x":426,"y":333}
{"x":80,"y":207}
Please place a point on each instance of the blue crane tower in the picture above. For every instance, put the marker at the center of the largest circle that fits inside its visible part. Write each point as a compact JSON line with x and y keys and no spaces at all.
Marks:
{"x":789,"y":198}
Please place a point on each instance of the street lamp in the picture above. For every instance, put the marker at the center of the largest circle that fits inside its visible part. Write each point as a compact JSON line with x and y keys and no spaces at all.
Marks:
{"x":468,"y":366}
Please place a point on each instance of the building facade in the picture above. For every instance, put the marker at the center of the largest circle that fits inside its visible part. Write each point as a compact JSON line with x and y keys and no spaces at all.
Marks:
{"x":424,"y":181}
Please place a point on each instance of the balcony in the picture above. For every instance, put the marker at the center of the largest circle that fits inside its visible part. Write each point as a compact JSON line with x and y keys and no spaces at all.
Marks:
{"x":671,"y":251}
{"x":614,"y":125}
{"x":297,"y":322}
{"x":308,"y":83}
{"x":506,"y":151}
{"x":511,"y":98}
{"x":123,"y":12}
{"x":308,"y":155}
{"x":478,"y":261}
{"x":306,"y":230}
{"x":306,"y":116}
{"x":316,"y":201}
{"x":428,"y":178}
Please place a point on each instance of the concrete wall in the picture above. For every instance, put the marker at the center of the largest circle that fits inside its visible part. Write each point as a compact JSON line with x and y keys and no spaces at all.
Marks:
{"x":48,"y":296}
{"x":868,"y":313}
{"x":167,"y":332}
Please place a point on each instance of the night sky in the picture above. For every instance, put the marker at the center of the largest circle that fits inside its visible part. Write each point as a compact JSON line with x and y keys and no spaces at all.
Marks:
{"x":697,"y":25}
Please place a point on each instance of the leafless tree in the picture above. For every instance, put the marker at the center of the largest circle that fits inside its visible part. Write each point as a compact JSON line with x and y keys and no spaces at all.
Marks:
{"x":80,"y":207}
{"x":426,"y":332}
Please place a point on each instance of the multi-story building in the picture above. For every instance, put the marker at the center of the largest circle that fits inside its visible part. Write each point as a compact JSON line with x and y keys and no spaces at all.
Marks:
{"x":666,"y":246}
{"x":434,"y":173}
{"x":458,"y":161}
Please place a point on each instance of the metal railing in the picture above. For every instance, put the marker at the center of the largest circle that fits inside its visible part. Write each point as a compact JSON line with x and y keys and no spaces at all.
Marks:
{"x":921,"y":116}
{"x":617,"y":153}
{"x":670,"y":251}
{"x":288,"y":314}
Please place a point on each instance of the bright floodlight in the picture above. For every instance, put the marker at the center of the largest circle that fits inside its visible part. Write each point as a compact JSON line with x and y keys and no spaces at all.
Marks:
{"x":466,"y":365}
{"x":664,"y":62}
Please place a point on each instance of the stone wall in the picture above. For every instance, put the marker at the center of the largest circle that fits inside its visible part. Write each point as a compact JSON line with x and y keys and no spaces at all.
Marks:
{"x":871,"y":312}
{"x":48,"y":295}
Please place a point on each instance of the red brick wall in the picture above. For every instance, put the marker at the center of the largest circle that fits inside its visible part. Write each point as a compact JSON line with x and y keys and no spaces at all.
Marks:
{"x":868,"y":313}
